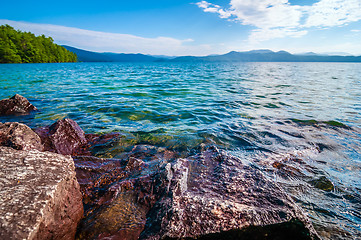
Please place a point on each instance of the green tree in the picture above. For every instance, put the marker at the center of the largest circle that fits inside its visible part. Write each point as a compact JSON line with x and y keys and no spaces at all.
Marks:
{"x":24,"y":47}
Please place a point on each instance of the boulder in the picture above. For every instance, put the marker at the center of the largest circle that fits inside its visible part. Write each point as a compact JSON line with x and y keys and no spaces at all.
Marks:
{"x":40,"y":197}
{"x":19,"y":136}
{"x":64,"y":137}
{"x":16,"y":105}
{"x":152,"y":194}
{"x":214,"y":193}
{"x":117,"y":192}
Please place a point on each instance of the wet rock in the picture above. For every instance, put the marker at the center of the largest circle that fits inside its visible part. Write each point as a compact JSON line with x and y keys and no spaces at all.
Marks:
{"x":64,"y":137}
{"x":158,"y":196}
{"x":16,"y":105}
{"x":213,"y":192}
{"x":19,"y":136}
{"x":322,"y":183}
{"x":40,"y":197}
{"x":118,"y":193}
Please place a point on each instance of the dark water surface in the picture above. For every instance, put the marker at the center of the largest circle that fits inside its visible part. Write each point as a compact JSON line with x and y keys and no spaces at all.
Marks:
{"x":298,"y":122}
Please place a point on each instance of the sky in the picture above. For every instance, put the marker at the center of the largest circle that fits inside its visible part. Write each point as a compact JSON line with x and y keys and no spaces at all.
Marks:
{"x":182,"y":27}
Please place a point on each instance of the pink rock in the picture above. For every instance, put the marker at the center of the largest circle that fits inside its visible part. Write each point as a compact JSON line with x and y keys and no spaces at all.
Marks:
{"x":64,"y":137}
{"x":19,"y":136}
{"x":40,"y":196}
{"x":16,"y":105}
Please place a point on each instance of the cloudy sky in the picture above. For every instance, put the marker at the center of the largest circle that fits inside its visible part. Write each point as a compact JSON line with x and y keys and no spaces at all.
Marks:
{"x":182,"y":27}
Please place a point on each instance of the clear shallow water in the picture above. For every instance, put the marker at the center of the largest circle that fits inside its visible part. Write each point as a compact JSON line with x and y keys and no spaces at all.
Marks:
{"x":298,"y":122}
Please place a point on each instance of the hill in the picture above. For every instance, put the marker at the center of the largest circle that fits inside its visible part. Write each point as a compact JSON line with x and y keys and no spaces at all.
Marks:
{"x":24,"y":47}
{"x":267,"y":56}
{"x":262,"y":55}
{"x":88,"y":56}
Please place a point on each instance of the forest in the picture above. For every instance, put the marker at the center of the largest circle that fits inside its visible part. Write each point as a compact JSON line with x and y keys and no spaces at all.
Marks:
{"x":24,"y":47}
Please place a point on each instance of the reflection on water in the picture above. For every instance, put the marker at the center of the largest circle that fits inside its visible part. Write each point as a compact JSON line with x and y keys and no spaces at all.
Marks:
{"x":298,"y":122}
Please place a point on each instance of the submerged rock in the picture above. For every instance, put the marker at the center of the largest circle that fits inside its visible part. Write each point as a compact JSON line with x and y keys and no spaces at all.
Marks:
{"x":64,"y":137}
{"x":167,"y":197}
{"x":322,"y":183}
{"x":16,"y":105}
{"x":19,"y":136}
{"x":40,"y":197}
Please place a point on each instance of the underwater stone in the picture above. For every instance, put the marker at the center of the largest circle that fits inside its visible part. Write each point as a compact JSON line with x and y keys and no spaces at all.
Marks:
{"x":19,"y":136}
{"x":322,"y":183}
{"x":16,"y":105}
{"x":39,"y":195}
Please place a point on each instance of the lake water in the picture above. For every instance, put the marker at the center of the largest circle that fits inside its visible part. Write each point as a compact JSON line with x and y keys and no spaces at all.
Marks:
{"x":297,"y":122}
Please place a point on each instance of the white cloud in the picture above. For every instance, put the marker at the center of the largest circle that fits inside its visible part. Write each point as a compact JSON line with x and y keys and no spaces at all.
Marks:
{"x":113,"y":42}
{"x":209,"y":7}
{"x":330,"y":13}
{"x":278,"y":18}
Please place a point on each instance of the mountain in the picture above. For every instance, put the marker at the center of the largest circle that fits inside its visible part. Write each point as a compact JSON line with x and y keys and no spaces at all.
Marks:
{"x":267,"y":56}
{"x":88,"y":56}
{"x":263,"y":55}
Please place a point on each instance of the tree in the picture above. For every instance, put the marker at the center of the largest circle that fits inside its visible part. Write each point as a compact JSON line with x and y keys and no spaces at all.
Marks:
{"x":24,"y":47}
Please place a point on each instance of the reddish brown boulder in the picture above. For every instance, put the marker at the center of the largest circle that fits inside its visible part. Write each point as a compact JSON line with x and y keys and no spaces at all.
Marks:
{"x":16,"y":105}
{"x":215,"y":193}
{"x":64,"y":137}
{"x":19,"y":136}
{"x":152,"y":194}
{"x":40,"y":197}
{"x":118,"y":193}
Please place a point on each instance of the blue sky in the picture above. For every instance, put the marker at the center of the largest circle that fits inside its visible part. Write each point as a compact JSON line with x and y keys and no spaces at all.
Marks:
{"x":181,"y":27}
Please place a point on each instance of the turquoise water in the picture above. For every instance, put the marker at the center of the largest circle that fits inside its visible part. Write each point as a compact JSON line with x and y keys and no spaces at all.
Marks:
{"x":298,"y":122}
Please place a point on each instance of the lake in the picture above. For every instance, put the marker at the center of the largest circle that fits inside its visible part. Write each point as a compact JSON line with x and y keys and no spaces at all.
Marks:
{"x":297,"y":122}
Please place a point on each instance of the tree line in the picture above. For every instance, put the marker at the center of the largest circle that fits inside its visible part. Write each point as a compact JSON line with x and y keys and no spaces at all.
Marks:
{"x":24,"y":47}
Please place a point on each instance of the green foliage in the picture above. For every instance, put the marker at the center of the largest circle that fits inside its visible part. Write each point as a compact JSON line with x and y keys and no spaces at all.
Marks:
{"x":25,"y":47}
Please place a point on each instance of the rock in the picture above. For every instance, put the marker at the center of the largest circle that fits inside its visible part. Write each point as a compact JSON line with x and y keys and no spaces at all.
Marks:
{"x":64,"y":137}
{"x":212,"y":193}
{"x":322,"y":183}
{"x":40,"y":197}
{"x":19,"y":136}
{"x":152,"y":194}
{"x":16,"y":105}
{"x":117,"y":192}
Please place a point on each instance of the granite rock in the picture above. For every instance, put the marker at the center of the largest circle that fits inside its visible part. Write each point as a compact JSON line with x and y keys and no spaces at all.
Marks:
{"x":214,"y":192}
{"x":117,"y":193}
{"x":19,"y":136}
{"x":153,"y":194}
{"x":16,"y":105}
{"x":64,"y":137}
{"x":40,"y":197}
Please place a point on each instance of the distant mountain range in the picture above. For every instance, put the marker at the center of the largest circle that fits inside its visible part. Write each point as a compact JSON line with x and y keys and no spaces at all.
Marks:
{"x":88,"y":56}
{"x":249,"y":56}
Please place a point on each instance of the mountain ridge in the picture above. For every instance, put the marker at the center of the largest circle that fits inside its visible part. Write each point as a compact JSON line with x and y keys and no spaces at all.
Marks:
{"x":261,"y":55}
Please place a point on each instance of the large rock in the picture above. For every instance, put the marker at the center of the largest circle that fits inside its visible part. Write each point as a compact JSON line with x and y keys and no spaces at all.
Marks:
{"x":115,"y":200}
{"x":151,"y":194}
{"x":39,"y":195}
{"x":19,"y":136}
{"x":212,"y":193}
{"x":64,"y":137}
{"x":16,"y":105}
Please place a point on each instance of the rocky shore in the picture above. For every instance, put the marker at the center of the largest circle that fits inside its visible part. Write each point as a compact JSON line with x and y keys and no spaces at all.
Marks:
{"x":53,"y":187}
